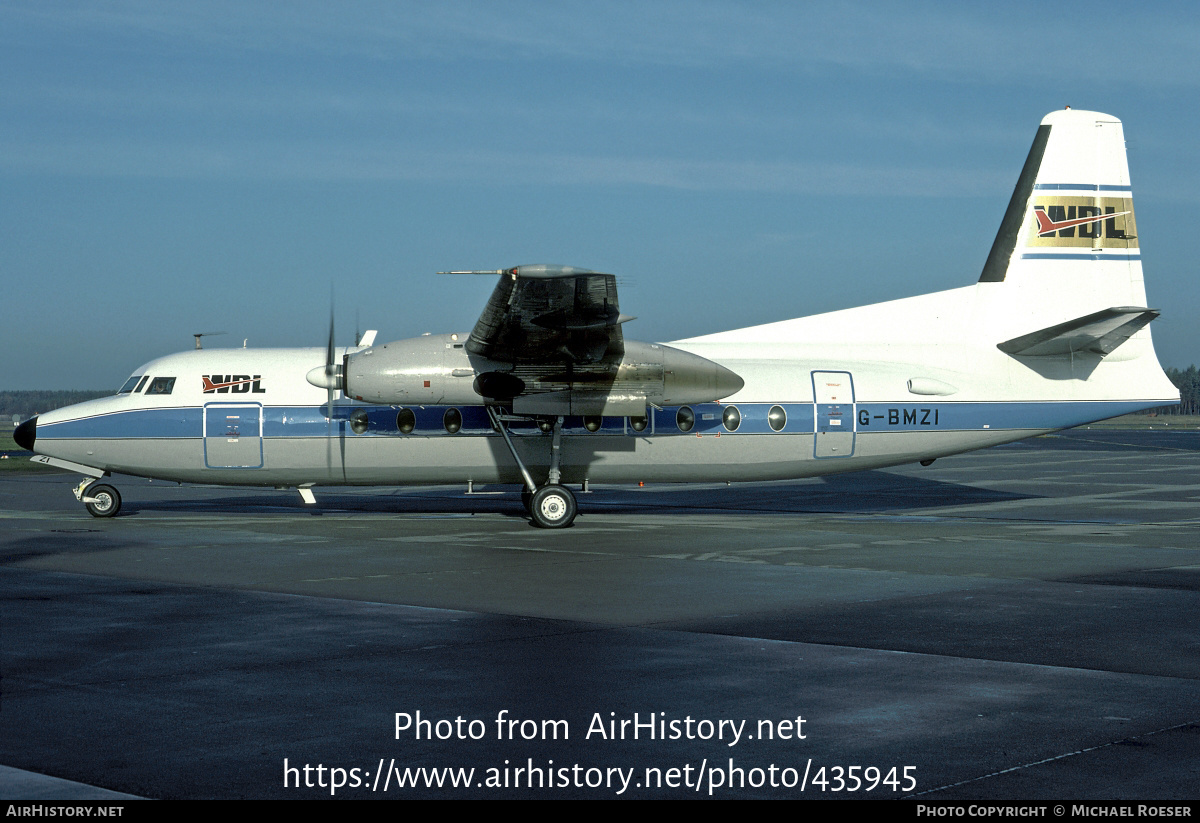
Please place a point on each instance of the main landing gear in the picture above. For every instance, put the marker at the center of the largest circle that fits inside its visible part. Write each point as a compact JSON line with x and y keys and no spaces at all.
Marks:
{"x":100,"y":499}
{"x":551,"y":506}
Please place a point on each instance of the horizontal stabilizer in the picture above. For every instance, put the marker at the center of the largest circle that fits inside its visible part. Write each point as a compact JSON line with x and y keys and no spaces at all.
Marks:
{"x":1100,"y":333}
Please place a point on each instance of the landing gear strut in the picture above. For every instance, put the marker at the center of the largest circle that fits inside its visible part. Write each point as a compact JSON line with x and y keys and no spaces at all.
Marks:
{"x":551,"y":506}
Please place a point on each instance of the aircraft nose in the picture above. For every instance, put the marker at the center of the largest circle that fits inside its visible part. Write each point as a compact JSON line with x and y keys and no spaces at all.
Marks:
{"x":26,"y":433}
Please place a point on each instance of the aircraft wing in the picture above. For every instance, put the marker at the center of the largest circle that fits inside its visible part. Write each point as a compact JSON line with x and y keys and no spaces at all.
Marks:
{"x":550,"y":314}
{"x":548,"y":343}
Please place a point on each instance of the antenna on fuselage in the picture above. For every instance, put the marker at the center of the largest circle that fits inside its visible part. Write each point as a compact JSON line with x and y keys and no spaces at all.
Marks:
{"x":200,"y":334}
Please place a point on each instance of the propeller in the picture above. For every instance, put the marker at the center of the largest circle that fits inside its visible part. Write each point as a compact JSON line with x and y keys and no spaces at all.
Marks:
{"x":332,"y":375}
{"x":329,"y":377}
{"x":330,"y":370}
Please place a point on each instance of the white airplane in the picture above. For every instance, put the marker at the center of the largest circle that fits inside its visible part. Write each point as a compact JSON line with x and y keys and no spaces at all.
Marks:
{"x":545,"y":390}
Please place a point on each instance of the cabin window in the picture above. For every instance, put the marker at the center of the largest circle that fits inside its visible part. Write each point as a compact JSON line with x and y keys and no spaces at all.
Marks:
{"x":452,"y":420}
{"x":638,"y":424}
{"x":130,"y":384}
{"x":592,"y":422}
{"x":406,"y":421}
{"x":777,"y":418}
{"x":731,"y":418}
{"x":161,"y":385}
{"x":359,"y":421}
{"x":685,"y":418}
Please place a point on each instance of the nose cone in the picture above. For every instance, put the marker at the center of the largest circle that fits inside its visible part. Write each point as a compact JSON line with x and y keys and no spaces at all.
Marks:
{"x":26,"y":433}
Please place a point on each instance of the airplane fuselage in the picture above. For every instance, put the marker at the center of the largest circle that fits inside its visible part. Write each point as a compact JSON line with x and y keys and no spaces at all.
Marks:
{"x":249,"y":417}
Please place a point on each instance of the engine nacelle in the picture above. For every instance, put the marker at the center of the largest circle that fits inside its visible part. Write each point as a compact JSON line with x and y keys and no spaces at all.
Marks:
{"x":429,"y":370}
{"x":437,"y":370}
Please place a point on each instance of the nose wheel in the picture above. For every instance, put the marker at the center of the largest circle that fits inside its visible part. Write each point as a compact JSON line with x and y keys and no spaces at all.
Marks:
{"x":101,"y":500}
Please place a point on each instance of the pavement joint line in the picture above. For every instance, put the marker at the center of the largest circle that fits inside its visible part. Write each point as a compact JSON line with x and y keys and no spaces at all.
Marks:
{"x":1062,"y":756}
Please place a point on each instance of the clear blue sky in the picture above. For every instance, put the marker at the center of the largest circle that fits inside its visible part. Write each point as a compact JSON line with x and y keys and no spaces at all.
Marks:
{"x":169,"y":168}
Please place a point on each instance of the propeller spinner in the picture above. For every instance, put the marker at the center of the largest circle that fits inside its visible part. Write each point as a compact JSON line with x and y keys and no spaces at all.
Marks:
{"x":329,"y":376}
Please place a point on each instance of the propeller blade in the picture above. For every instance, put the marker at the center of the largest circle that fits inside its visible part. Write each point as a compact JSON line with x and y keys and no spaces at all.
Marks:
{"x":329,"y":393}
{"x":333,"y":383}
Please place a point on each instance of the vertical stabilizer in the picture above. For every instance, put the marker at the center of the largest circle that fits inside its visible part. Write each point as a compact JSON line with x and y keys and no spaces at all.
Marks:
{"x":1069,"y":236}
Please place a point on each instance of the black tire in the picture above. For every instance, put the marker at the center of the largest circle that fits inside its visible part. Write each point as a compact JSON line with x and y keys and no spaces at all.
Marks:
{"x":107,"y":500}
{"x":553,"y":507}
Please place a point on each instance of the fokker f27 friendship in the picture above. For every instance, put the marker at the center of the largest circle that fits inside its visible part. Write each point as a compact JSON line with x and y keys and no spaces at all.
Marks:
{"x":546,"y":390}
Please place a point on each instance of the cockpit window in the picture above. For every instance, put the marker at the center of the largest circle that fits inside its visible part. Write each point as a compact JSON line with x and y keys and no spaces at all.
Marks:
{"x":161,"y":385}
{"x":129,"y":384}
{"x":142,"y":383}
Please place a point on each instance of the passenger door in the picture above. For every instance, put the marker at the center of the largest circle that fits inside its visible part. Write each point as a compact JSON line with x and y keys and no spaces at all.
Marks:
{"x":233,"y":436}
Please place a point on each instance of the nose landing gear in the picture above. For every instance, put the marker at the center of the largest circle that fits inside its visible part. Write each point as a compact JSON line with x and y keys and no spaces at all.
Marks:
{"x":100,"y":499}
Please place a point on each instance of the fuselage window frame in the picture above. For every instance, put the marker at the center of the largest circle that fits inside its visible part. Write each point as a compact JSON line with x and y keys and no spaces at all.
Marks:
{"x":406,"y":420}
{"x":731,"y":418}
{"x":685,"y":419}
{"x":780,"y":418}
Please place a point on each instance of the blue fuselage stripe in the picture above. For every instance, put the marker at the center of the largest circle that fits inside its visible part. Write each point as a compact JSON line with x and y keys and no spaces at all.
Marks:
{"x":310,"y":421}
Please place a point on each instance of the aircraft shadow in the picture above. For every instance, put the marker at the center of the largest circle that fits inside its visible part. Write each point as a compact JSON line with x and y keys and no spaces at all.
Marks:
{"x":862,"y":492}
{"x":1146,"y":440}
{"x":82,"y":540}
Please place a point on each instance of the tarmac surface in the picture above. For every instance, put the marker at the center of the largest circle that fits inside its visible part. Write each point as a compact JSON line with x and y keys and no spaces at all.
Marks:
{"x":1017,"y":623}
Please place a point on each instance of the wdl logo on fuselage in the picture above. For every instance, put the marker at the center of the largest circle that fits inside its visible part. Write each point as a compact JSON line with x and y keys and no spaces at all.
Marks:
{"x":235,"y":383}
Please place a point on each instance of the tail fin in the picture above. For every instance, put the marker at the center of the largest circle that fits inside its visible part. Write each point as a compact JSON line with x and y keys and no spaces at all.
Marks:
{"x":1068,"y":247}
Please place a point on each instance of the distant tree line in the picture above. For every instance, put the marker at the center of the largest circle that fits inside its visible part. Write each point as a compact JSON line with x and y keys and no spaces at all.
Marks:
{"x":1188,"y":382}
{"x":29,"y":403}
